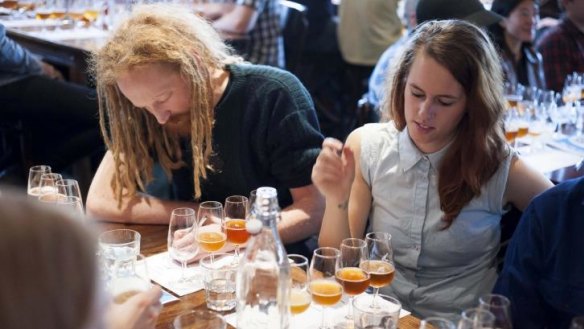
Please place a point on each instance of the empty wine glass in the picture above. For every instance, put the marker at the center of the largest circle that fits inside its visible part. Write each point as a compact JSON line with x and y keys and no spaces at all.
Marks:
{"x":236,"y":209}
{"x":323,"y":287}
{"x":499,"y":305}
{"x":182,"y":230}
{"x":34,"y":179}
{"x":210,"y":235}
{"x":350,"y":274}
{"x":379,"y":263}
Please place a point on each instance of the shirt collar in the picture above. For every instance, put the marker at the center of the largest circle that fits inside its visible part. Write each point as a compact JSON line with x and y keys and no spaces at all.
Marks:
{"x":410,"y":155}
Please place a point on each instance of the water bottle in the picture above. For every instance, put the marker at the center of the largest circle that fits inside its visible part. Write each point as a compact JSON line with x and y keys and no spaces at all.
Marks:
{"x":263,"y":276}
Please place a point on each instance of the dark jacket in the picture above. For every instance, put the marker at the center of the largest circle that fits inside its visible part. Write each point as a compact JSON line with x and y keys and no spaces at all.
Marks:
{"x":528,"y":71}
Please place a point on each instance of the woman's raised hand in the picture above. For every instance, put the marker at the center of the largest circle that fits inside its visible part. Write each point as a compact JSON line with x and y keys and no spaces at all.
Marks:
{"x":334,"y":171}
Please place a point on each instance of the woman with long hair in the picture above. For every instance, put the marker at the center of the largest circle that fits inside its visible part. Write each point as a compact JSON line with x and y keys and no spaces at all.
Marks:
{"x":438,"y":177}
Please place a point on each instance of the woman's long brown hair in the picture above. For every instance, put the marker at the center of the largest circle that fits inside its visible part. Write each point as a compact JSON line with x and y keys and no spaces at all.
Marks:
{"x":479,"y":146}
{"x":175,"y":37}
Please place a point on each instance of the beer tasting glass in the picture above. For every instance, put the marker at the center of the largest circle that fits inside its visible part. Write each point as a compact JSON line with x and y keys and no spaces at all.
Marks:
{"x":379,"y":264}
{"x":323,"y":287}
{"x":350,"y":274}
{"x":500,"y":306}
{"x":48,"y":187}
{"x":182,"y":230}
{"x":385,"y":316}
{"x":69,"y":187}
{"x":513,"y":94}
{"x":129,"y":278}
{"x":34,"y":179}
{"x":236,"y":211}
{"x":219,"y":281}
{"x":299,"y":296}
{"x":200,"y":319}
{"x":476,"y":317}
{"x":437,"y":323}
{"x":210,"y":235}
{"x":115,"y":246}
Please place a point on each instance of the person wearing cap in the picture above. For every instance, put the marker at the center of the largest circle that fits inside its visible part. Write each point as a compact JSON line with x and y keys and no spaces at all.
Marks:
{"x":562,"y":46}
{"x":426,"y":10}
{"x":438,"y":178}
{"x":514,"y":36}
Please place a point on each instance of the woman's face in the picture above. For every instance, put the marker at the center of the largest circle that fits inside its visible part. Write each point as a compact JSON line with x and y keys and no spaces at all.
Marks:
{"x":160,"y":90}
{"x":434,"y":104}
{"x":522,"y":21}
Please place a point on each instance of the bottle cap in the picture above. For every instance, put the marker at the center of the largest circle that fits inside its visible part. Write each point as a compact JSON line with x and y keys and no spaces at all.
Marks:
{"x":253,"y":226}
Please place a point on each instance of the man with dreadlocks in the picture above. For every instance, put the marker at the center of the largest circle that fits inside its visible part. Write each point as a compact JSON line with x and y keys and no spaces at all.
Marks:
{"x":172,"y":96}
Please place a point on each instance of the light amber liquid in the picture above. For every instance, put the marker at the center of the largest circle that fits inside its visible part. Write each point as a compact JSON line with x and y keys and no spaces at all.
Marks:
{"x":42,"y":16}
{"x":522,"y":132}
{"x":326,"y":292}
{"x":299,"y":301}
{"x":123,"y":297}
{"x":511,"y":103}
{"x":353,"y":279}
{"x":381,"y":273}
{"x":26,"y":6}
{"x":236,"y":232}
{"x":211,"y":241}
{"x":57,"y":14}
{"x":75,"y":15}
{"x":582,"y":94}
{"x":510,"y":135}
{"x":91,"y":15}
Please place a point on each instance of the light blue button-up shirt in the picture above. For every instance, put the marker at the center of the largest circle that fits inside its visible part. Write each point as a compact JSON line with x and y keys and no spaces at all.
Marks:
{"x":439,"y":272}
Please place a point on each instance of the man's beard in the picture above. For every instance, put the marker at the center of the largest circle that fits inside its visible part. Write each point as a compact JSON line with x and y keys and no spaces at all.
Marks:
{"x":179,"y":124}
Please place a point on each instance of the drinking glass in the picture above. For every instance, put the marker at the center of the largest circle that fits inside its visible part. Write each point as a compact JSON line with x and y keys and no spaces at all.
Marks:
{"x":69,"y":187}
{"x":299,"y":296}
{"x":129,"y":278}
{"x":48,"y":184}
{"x":210,"y":235}
{"x":350,"y":274}
{"x":513,"y":94}
{"x":379,"y":264}
{"x":219,"y":280}
{"x":121,"y":245}
{"x":34,"y":179}
{"x":385,"y":316}
{"x":200,"y":319}
{"x":236,"y":209}
{"x":577,"y":323}
{"x":436,"y":323}
{"x":323,"y":287}
{"x":511,"y":124}
{"x":182,"y":230}
{"x":499,"y":305}
{"x":71,"y":204}
{"x":476,"y":317}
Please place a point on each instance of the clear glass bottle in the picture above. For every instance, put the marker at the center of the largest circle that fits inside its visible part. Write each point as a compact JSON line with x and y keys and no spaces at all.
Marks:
{"x":263,"y":277}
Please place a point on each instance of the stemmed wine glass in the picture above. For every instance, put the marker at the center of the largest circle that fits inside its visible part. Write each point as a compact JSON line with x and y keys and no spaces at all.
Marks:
{"x":299,"y":296}
{"x":324,"y":288}
{"x":350,"y":274}
{"x":34,"y":179}
{"x":499,"y":305}
{"x":236,"y":209}
{"x":182,"y":230}
{"x":210,"y":235}
{"x":380,"y":261}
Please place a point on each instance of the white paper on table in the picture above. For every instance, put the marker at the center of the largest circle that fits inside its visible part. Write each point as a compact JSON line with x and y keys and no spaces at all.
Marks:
{"x":74,"y":34}
{"x":548,"y":159}
{"x":313,"y":315}
{"x":164,"y":271}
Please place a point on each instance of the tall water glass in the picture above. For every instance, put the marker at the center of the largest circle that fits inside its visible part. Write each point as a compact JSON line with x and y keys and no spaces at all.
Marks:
{"x":182,"y":231}
{"x":120,"y":245}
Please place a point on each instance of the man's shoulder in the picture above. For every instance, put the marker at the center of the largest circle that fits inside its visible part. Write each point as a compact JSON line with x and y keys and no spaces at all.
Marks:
{"x":558,"y":34}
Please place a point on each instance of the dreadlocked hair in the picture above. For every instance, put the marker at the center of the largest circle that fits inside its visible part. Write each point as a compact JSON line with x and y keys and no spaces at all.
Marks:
{"x":172,"y":36}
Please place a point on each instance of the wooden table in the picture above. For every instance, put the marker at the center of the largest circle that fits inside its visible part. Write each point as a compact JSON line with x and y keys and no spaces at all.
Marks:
{"x":154,"y":241}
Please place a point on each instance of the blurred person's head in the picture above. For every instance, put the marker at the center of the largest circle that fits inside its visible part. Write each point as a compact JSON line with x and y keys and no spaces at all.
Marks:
{"x":574,"y":9}
{"x":410,"y":14}
{"x":471,"y":11}
{"x":155,"y":79}
{"x":49,"y":275}
{"x":447,"y":90}
{"x":520,"y":19}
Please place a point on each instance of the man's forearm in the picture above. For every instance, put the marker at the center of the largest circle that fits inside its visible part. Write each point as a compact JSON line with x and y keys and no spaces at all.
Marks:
{"x":301,"y":220}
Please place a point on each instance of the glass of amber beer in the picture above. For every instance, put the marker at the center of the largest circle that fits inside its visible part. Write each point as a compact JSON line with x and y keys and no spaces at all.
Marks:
{"x":380,"y":261}
{"x":350,"y":274}
{"x":324,"y":288}
{"x":210,"y":235}
{"x":236,"y":209}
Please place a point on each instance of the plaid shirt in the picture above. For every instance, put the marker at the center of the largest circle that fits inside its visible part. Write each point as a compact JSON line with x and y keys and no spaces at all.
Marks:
{"x":266,"y":45}
{"x":562,"y":48}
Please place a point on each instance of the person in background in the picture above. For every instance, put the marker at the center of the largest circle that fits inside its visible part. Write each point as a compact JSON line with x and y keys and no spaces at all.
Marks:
{"x":258,"y":18}
{"x":562,"y":46}
{"x":49,"y":276}
{"x":172,"y":97}
{"x":418,"y":12}
{"x":514,"y":37}
{"x":438,"y":177}
{"x":60,"y":117}
{"x":543,"y":273}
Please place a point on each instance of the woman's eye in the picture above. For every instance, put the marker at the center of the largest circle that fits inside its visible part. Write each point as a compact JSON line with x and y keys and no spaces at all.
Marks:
{"x":417,"y":95}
